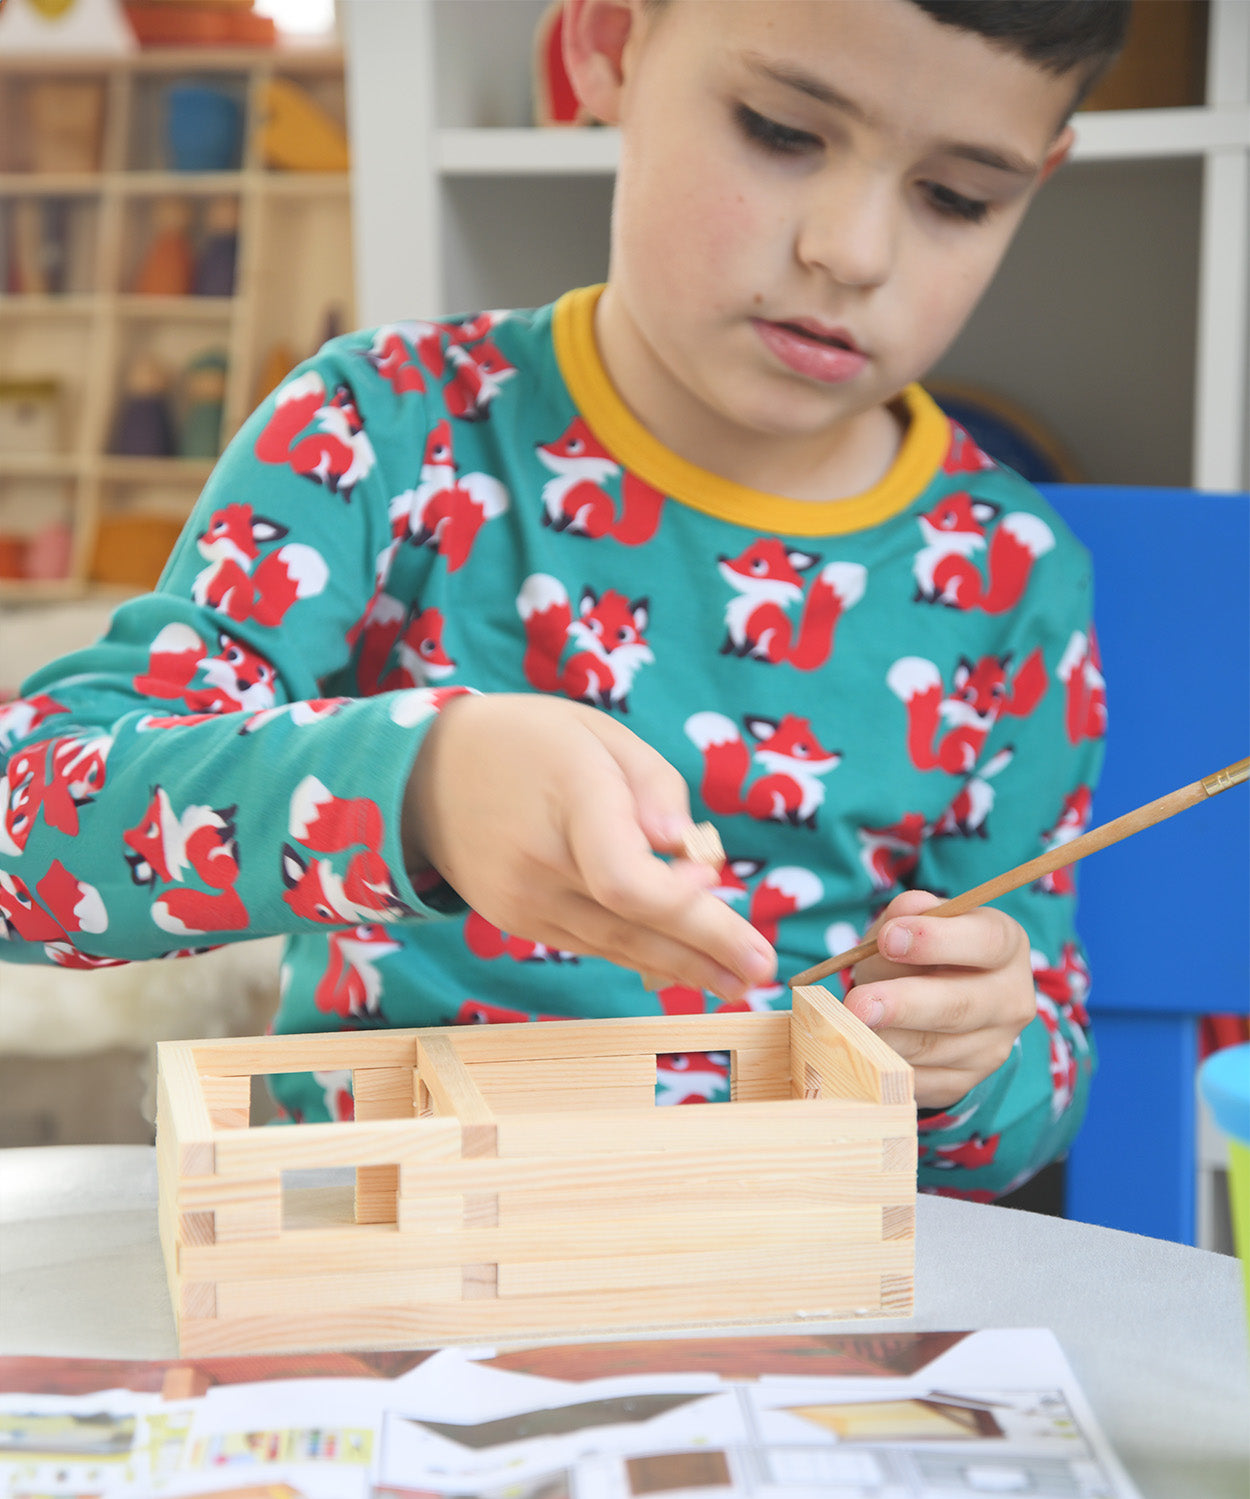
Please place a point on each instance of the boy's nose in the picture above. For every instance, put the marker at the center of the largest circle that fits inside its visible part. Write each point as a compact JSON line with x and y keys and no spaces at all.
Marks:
{"x":850,"y":232}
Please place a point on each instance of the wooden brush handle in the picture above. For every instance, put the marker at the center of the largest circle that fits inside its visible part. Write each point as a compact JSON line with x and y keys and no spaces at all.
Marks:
{"x":1055,"y":858}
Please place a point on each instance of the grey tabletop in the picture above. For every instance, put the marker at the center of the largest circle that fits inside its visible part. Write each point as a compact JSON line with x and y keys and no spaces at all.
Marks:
{"x":1155,"y":1332}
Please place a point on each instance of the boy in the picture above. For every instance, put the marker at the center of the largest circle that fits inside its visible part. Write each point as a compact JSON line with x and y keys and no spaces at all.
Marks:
{"x":469,"y":607}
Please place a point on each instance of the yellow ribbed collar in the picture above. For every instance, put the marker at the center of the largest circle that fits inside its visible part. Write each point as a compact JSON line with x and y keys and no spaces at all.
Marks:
{"x":924,"y":446}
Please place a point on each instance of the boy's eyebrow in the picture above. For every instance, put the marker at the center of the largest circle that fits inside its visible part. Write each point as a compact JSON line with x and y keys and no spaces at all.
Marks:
{"x":824,"y":93}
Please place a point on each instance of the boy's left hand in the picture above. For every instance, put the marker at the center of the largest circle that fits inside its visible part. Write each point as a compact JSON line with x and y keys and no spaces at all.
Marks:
{"x":949,"y":994}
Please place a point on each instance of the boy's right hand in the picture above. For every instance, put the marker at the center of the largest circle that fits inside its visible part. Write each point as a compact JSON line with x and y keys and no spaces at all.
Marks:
{"x":547,"y":816}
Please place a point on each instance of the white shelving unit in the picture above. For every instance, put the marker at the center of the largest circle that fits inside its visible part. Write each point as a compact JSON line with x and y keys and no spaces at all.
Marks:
{"x":1120,"y":318}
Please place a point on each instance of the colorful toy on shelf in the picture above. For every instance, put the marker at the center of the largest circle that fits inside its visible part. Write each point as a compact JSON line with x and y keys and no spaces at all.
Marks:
{"x":12,"y":555}
{"x":203,"y":400}
{"x":144,"y":426}
{"x":30,"y":411}
{"x":219,"y":251}
{"x":169,"y":263}
{"x":199,"y":23}
{"x":131,"y":550}
{"x":296,"y":134}
{"x":203,"y":129}
{"x":49,"y":552}
{"x":60,"y":26}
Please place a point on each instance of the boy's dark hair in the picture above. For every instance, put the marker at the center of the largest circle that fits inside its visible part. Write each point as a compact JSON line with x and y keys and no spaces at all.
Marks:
{"x":1060,"y":36}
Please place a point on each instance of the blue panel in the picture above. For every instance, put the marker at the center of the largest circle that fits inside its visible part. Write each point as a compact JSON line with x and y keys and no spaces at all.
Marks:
{"x":1133,"y":1168}
{"x":1164,"y":914}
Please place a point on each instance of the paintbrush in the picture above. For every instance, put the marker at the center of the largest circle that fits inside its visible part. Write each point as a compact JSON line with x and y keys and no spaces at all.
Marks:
{"x":1055,"y":858}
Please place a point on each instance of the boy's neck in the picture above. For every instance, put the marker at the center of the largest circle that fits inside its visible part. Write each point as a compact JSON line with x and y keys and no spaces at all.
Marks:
{"x":836,"y":463}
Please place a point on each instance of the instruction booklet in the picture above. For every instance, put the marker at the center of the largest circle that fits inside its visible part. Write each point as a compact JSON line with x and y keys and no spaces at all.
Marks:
{"x":907,"y":1415}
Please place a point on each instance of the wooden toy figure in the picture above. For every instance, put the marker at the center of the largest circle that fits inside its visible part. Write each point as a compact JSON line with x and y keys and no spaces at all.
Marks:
{"x":204,"y":392}
{"x":144,"y":428}
{"x":214,"y":270}
{"x":169,"y":264}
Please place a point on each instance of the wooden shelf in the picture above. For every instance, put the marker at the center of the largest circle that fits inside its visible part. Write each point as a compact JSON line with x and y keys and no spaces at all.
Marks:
{"x":76,"y":305}
{"x":293,"y":265}
{"x":154,"y":470}
{"x":198,"y":309}
{"x":41,"y":465}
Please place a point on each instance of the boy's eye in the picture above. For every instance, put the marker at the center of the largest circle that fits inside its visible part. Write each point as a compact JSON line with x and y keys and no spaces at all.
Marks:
{"x":783,"y":140}
{"x":954,"y":205}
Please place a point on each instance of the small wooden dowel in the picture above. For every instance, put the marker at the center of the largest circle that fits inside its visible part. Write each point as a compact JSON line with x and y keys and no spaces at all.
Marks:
{"x":1055,"y":858}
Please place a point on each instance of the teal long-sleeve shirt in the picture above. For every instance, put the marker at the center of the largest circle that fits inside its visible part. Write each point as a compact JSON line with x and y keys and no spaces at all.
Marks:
{"x":896,"y":690}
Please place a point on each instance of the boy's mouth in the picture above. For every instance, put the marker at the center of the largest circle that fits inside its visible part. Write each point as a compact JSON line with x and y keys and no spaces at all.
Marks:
{"x":817,"y":351}
{"x":836,"y":338}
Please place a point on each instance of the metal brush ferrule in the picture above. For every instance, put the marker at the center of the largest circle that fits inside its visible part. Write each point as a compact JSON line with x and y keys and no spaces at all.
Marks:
{"x":1231,"y":775}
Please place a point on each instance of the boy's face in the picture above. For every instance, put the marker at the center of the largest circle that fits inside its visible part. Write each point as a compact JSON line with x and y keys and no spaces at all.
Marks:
{"x":813,"y":194}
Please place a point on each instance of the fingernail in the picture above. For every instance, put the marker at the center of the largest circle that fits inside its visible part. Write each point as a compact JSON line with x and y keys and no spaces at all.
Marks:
{"x":896,"y":941}
{"x":761,"y":963}
{"x":673,"y":828}
{"x":870,"y":1011}
{"x":730,"y":986}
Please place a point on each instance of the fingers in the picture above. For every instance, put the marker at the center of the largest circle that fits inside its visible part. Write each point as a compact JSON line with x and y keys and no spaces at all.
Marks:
{"x":983,"y":938}
{"x":661,"y":798}
{"x":598,"y":933}
{"x":654,"y":916}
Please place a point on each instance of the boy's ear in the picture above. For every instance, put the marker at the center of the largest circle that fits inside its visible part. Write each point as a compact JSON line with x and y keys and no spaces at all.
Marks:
{"x":596,"y":35}
{"x":1058,"y":153}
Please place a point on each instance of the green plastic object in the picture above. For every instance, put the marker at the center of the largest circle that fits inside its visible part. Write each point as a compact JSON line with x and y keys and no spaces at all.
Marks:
{"x":1224,"y":1079}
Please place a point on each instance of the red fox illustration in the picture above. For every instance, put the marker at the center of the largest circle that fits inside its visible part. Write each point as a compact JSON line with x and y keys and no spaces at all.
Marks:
{"x":391,"y":355}
{"x":447,"y":509}
{"x":351,"y":985}
{"x":338,"y":454}
{"x":236,"y":677}
{"x":484,"y":940}
{"x":52,"y":779}
{"x":968,"y":814}
{"x":479,"y":1012}
{"x":964,"y":456}
{"x":394,"y":345}
{"x":1080,"y":671}
{"x":954,"y":532}
{"x":420,"y":657}
{"x":1072,"y":821}
{"x":478,"y":375}
{"x":65,"y":905}
{"x":21,"y":717}
{"x":609,"y":646}
{"x":767,"y":580}
{"x":691,"y":1076}
{"x":576,"y":501}
{"x":890,"y":854}
{"x":782,"y":892}
{"x":167,"y":846}
{"x":1063,"y":1063}
{"x":793,"y":759}
{"x":977,"y":1150}
{"x":979,"y":696}
{"x":325,"y":823}
{"x":1065,"y":984}
{"x":241,"y":582}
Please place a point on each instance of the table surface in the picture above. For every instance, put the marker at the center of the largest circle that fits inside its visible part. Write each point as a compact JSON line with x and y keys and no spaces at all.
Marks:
{"x":1155,"y":1332}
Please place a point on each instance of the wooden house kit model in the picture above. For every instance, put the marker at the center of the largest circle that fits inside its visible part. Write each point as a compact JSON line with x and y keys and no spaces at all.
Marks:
{"x":518,"y":1182}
